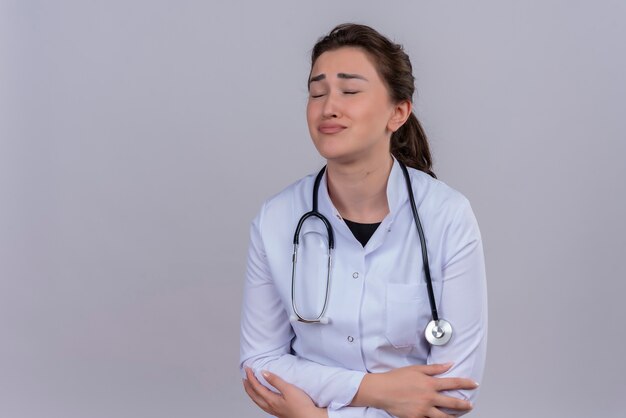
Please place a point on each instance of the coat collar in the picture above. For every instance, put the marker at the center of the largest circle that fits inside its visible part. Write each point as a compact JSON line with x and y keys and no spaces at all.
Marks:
{"x":396,"y":197}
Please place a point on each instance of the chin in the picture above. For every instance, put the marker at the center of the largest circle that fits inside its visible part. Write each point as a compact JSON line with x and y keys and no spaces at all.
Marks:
{"x":340,"y":157}
{"x":333,"y":153}
{"x":332,"y":148}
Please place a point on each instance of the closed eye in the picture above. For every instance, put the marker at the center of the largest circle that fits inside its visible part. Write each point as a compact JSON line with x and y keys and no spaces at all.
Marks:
{"x":350,"y":92}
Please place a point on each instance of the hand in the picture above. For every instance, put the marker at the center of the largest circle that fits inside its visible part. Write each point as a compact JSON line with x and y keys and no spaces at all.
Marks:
{"x":413,"y":391}
{"x":291,"y":402}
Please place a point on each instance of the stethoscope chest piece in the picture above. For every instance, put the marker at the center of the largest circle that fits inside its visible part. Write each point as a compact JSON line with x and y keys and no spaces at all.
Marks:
{"x":438,"y":332}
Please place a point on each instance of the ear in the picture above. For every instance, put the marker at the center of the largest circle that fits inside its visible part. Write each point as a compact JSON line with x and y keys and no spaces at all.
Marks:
{"x":401,"y":112}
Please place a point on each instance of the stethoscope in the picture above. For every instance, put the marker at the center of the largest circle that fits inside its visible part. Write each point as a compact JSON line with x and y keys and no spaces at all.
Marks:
{"x":438,"y":331}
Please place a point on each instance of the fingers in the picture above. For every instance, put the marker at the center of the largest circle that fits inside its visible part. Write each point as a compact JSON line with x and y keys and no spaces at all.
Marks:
{"x":261,"y":391}
{"x":276,"y":381}
{"x":454,"y":383}
{"x":256,"y":398}
{"x":434,"y":369}
{"x":436,"y":413}
{"x":449,"y":402}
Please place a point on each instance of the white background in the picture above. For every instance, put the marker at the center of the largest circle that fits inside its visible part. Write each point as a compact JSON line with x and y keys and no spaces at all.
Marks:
{"x":138,"y":139}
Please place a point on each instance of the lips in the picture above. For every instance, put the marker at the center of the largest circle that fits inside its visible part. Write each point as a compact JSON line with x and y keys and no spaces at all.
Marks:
{"x":330,"y":128}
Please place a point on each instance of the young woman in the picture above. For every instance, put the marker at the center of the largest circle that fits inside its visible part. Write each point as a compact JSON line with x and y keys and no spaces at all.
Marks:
{"x":345,"y":337}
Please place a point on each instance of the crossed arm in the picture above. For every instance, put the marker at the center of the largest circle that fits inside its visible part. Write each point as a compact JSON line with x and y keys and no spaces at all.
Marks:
{"x":408,"y":392}
{"x":308,"y":389}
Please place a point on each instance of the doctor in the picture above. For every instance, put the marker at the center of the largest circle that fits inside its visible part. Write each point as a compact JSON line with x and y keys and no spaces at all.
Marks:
{"x":370,"y":358}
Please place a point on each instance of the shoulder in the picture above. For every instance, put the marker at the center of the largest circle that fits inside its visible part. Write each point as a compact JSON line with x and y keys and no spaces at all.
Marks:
{"x":297,"y":190}
{"x":433,"y":195}
{"x":281,"y":206}
{"x":446,"y":213}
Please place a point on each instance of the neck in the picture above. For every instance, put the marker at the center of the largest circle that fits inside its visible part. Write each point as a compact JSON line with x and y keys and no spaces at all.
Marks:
{"x":359,"y":189}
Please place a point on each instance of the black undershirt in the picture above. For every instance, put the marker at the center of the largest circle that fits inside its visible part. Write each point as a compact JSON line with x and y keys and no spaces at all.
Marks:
{"x":362,"y":232}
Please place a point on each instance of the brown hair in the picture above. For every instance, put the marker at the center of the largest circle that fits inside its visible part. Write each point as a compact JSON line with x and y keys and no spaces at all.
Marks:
{"x":408,"y":144}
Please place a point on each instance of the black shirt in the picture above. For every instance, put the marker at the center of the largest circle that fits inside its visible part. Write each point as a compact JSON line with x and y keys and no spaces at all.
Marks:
{"x":362,"y":232}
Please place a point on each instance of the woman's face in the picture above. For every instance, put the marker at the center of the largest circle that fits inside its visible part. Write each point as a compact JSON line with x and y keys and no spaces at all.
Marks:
{"x":349,"y":111}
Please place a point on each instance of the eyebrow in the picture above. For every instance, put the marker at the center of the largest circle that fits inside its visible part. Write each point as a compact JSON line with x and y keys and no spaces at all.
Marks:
{"x":319,"y":77}
{"x":344,"y":76}
{"x":351,"y":76}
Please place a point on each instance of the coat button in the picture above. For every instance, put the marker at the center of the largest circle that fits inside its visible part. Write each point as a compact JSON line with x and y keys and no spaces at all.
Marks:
{"x":355,"y":275}
{"x":350,"y":338}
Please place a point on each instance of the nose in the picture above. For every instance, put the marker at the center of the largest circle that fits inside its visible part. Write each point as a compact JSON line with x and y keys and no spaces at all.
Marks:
{"x":331,"y":107}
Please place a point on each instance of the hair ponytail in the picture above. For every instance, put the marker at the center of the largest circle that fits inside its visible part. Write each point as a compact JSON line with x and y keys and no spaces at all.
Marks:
{"x":410,"y":146}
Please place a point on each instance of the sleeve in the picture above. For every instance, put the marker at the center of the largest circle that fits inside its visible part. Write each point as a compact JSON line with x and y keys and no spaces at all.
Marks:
{"x":463,"y":302}
{"x":358,"y":412}
{"x":266,"y":336}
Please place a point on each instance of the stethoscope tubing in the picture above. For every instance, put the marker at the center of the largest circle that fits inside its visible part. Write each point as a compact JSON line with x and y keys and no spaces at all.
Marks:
{"x":420,"y":232}
{"x":314,"y":213}
{"x":438,"y":331}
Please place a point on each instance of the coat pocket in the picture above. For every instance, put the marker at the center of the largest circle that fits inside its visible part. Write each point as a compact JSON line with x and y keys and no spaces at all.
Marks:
{"x":407,"y":313}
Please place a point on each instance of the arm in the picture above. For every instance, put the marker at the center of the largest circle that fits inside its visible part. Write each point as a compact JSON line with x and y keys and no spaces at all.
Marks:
{"x":292,"y":402}
{"x":414,"y":392}
{"x":463,"y":301}
{"x":266,"y":336}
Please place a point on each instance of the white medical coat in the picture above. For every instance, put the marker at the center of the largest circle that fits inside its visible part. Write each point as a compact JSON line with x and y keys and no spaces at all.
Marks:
{"x":378,"y":304}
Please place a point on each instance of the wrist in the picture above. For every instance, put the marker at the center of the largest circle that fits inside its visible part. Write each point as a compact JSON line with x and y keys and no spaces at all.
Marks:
{"x":321,"y":413}
{"x":369,"y":392}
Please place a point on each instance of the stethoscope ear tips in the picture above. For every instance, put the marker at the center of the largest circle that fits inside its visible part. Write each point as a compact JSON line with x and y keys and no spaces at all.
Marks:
{"x":438,"y":332}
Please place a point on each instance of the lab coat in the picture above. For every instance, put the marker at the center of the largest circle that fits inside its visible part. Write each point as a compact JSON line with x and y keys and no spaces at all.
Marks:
{"x":378,"y":303}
